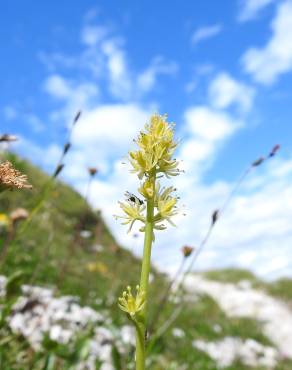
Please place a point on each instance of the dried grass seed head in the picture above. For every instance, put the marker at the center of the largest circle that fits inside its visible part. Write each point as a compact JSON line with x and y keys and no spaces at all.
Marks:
{"x":92,"y":171}
{"x":187,"y":250}
{"x":18,"y":214}
{"x":6,"y":138}
{"x":10,"y":178}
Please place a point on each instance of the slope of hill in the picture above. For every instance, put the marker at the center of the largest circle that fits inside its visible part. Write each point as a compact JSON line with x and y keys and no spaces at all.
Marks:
{"x":64,"y":243}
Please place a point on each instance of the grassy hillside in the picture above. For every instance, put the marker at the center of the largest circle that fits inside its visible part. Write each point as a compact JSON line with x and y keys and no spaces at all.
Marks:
{"x":66,"y":245}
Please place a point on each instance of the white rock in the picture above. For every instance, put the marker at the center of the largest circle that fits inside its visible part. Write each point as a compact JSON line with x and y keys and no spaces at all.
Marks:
{"x":229,"y":349}
{"x":275,"y":315}
{"x":178,"y":333}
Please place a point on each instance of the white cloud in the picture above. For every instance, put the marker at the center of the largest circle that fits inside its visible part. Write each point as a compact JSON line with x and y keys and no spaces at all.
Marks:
{"x":254,"y":231}
{"x":58,"y":87}
{"x":57,"y":59}
{"x":111,"y":126}
{"x":119,"y":75}
{"x":208,"y":124}
{"x":206,"y":32}
{"x":91,"y":35}
{"x":268,"y":63}
{"x":76,"y":96}
{"x":106,"y":59}
{"x":250,"y":9}
{"x":225,"y":91}
{"x":45,"y":156}
{"x":124,"y":84}
{"x":146,"y":80}
{"x":104,"y":134}
{"x":207,"y":129}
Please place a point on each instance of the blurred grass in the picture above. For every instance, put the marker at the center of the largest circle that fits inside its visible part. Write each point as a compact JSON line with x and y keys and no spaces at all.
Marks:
{"x":51,"y":250}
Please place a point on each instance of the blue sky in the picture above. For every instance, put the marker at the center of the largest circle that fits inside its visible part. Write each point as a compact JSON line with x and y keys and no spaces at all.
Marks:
{"x":222,"y":72}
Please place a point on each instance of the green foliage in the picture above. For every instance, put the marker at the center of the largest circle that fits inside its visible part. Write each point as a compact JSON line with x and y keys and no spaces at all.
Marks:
{"x":231,"y":275}
{"x":282,"y":289}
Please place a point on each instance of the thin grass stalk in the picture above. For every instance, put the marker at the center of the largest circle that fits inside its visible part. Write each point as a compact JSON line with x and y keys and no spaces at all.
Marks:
{"x":206,"y":238}
{"x":46,"y":189}
{"x":164,"y":298}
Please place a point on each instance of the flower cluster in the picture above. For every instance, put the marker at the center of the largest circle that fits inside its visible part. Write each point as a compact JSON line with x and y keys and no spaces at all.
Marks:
{"x":152,"y":160}
{"x":130,"y":304}
{"x":19,"y":214}
{"x":156,"y":147}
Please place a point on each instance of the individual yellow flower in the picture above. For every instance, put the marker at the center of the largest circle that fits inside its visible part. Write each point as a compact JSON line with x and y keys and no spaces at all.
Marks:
{"x":91,"y":267}
{"x":97,"y":267}
{"x":166,"y":207}
{"x":130,"y":304}
{"x":147,"y":188}
{"x":133,"y":212}
{"x":4,"y":221}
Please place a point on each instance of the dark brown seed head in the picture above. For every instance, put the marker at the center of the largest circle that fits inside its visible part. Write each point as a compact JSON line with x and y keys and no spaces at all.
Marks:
{"x":274,"y":150}
{"x":258,"y":162}
{"x":58,"y":170}
{"x":19,"y":214}
{"x":215,"y":216}
{"x":187,"y":251}
{"x":6,"y":138}
{"x":76,"y":118}
{"x":67,"y":146}
{"x":92,"y":171}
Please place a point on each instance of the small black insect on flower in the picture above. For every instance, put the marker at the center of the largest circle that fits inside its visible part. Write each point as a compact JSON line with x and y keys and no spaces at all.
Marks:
{"x":132,"y":198}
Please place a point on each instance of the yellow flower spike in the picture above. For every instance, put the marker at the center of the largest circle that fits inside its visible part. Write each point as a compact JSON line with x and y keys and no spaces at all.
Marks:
{"x":152,"y":160}
{"x":147,"y":188}
{"x":156,"y":146}
{"x":132,"y":304}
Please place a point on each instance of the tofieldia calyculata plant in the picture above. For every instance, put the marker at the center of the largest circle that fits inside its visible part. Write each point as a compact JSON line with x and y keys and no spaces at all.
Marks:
{"x":152,"y":161}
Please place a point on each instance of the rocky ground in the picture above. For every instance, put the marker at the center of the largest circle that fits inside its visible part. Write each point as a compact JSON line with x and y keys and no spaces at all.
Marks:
{"x":241,"y":300}
{"x":38,"y":313}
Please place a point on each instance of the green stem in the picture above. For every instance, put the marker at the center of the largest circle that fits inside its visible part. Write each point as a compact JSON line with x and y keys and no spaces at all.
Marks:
{"x":144,"y":283}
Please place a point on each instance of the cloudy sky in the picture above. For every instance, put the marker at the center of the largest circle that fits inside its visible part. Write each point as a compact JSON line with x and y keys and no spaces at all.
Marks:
{"x":222,"y":72}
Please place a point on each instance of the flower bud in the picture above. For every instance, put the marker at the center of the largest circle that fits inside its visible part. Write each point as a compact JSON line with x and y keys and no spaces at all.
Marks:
{"x":147,"y":188}
{"x":187,"y":251}
{"x":274,"y":150}
{"x":92,"y":171}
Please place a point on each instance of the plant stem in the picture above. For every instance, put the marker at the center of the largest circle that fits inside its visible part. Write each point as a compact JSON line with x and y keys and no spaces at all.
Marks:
{"x":144,"y":283}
